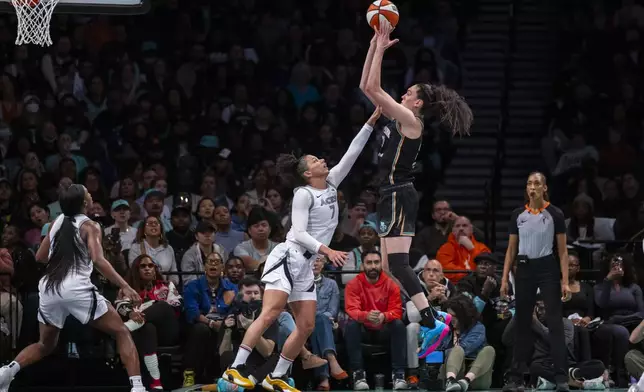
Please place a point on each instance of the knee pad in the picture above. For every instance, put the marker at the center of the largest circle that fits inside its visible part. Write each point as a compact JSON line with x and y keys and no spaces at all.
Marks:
{"x":401,"y":270}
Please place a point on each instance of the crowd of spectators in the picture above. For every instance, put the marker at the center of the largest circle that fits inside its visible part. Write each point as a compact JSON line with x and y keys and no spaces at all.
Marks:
{"x":172,"y":121}
{"x":594,"y":143}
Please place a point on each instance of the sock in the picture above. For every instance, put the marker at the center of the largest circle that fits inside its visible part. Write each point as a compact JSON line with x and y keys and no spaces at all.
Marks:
{"x":467,"y":379}
{"x":451,"y":379}
{"x":282,"y":367}
{"x":427,"y":318}
{"x":135,"y":381}
{"x":242,"y":355}
{"x":14,"y":368}
{"x":152,"y":364}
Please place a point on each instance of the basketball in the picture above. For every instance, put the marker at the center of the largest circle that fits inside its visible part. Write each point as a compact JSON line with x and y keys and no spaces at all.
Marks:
{"x":381,"y":10}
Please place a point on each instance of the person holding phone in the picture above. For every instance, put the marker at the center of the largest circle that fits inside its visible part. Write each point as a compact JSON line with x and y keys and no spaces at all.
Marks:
{"x":537,"y":231}
{"x":121,"y":214}
{"x":620,"y":304}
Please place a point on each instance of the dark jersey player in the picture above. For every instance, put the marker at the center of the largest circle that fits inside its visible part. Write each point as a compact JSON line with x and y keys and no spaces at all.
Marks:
{"x":401,"y":142}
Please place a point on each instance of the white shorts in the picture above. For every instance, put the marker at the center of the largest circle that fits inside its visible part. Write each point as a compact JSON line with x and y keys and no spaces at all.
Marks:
{"x":288,"y":270}
{"x":84,"y":303}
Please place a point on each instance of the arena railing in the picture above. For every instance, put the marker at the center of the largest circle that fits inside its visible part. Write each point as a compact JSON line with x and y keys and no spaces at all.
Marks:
{"x":499,"y":160}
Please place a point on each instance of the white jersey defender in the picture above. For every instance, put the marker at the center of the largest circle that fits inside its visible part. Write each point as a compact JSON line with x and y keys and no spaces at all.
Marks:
{"x":77,"y":296}
{"x":314,"y":217}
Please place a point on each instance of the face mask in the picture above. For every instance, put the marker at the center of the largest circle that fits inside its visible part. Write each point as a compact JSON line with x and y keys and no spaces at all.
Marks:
{"x":32,"y":107}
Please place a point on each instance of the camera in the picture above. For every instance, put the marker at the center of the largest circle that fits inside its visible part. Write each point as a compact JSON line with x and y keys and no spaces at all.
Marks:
{"x":249,"y":310}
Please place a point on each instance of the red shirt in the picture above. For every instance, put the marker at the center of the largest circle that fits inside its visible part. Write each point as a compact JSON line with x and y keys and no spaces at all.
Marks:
{"x":361,"y":297}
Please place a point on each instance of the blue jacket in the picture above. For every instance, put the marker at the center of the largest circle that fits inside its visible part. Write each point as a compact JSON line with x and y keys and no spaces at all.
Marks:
{"x":196,"y":298}
{"x":328,"y":298}
{"x":471,"y":341}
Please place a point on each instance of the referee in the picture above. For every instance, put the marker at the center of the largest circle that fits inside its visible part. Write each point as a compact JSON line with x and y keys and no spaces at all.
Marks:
{"x":536,"y":230}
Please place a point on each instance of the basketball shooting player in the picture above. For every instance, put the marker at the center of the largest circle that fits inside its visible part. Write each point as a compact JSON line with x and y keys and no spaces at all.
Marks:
{"x":402,"y":138}
{"x":71,"y":245}
{"x":288,"y":273}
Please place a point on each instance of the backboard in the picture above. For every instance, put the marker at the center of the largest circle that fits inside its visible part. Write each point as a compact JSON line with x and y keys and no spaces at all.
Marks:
{"x":90,"y":7}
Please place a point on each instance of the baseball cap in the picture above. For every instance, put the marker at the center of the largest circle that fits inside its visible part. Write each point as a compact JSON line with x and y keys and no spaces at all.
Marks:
{"x":153,"y":193}
{"x":180,"y":208}
{"x":120,"y":203}
{"x":204,"y":227}
{"x":369,"y":225}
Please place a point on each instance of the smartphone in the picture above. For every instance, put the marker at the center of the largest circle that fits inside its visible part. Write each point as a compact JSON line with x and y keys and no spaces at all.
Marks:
{"x":115,"y":234}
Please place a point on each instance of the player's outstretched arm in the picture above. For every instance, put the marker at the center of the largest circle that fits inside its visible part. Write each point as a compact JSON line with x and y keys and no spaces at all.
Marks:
{"x":367,"y":67}
{"x":374,"y":89}
{"x":341,"y":170}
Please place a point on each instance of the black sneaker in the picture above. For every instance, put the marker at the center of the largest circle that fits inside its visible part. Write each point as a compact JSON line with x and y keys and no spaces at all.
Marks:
{"x":513,"y":386}
{"x":465,"y":385}
{"x":452,"y":385}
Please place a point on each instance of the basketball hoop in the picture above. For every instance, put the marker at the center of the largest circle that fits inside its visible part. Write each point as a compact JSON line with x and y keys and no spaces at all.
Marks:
{"x":34,"y":17}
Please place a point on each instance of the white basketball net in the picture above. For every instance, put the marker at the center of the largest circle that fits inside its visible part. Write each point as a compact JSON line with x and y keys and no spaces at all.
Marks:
{"x":34,"y":17}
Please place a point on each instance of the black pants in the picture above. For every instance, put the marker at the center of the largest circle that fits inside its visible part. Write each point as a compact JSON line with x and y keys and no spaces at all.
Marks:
{"x":161,"y":328}
{"x":201,"y":350}
{"x":587,"y":370}
{"x":543,"y":274}
{"x":258,"y":366}
{"x":582,"y":344}
{"x":393,"y":333}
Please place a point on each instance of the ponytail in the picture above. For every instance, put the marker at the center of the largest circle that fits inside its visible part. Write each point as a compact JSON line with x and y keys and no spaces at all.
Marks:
{"x":290,"y":170}
{"x":67,"y":253}
{"x":446,"y":104}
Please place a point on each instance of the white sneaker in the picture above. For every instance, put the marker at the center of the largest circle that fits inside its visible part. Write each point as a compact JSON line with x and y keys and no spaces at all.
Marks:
{"x":545,"y":385}
{"x":134,"y":389}
{"x":5,"y":378}
{"x":400,"y":383}
{"x":359,"y":381}
{"x":398,"y":380}
{"x":596,"y":384}
{"x":133,"y":325}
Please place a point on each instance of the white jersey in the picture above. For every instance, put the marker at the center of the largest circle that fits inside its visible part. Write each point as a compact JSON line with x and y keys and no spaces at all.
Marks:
{"x":314,"y":214}
{"x":80,"y":278}
{"x":323,"y":214}
{"x":314,"y":217}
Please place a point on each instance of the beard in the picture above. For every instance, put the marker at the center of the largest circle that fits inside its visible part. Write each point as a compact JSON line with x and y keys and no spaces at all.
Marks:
{"x":373,"y":273}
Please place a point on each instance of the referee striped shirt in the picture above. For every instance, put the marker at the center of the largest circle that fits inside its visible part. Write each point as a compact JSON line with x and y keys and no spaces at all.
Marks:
{"x":537,"y":229}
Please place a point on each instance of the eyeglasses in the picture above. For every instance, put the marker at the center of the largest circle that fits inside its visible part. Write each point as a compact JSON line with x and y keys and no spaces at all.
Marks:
{"x":214,"y":262}
{"x":148,"y":265}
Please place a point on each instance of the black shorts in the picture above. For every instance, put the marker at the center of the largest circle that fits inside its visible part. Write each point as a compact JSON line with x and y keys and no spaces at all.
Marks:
{"x":397,"y":210}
